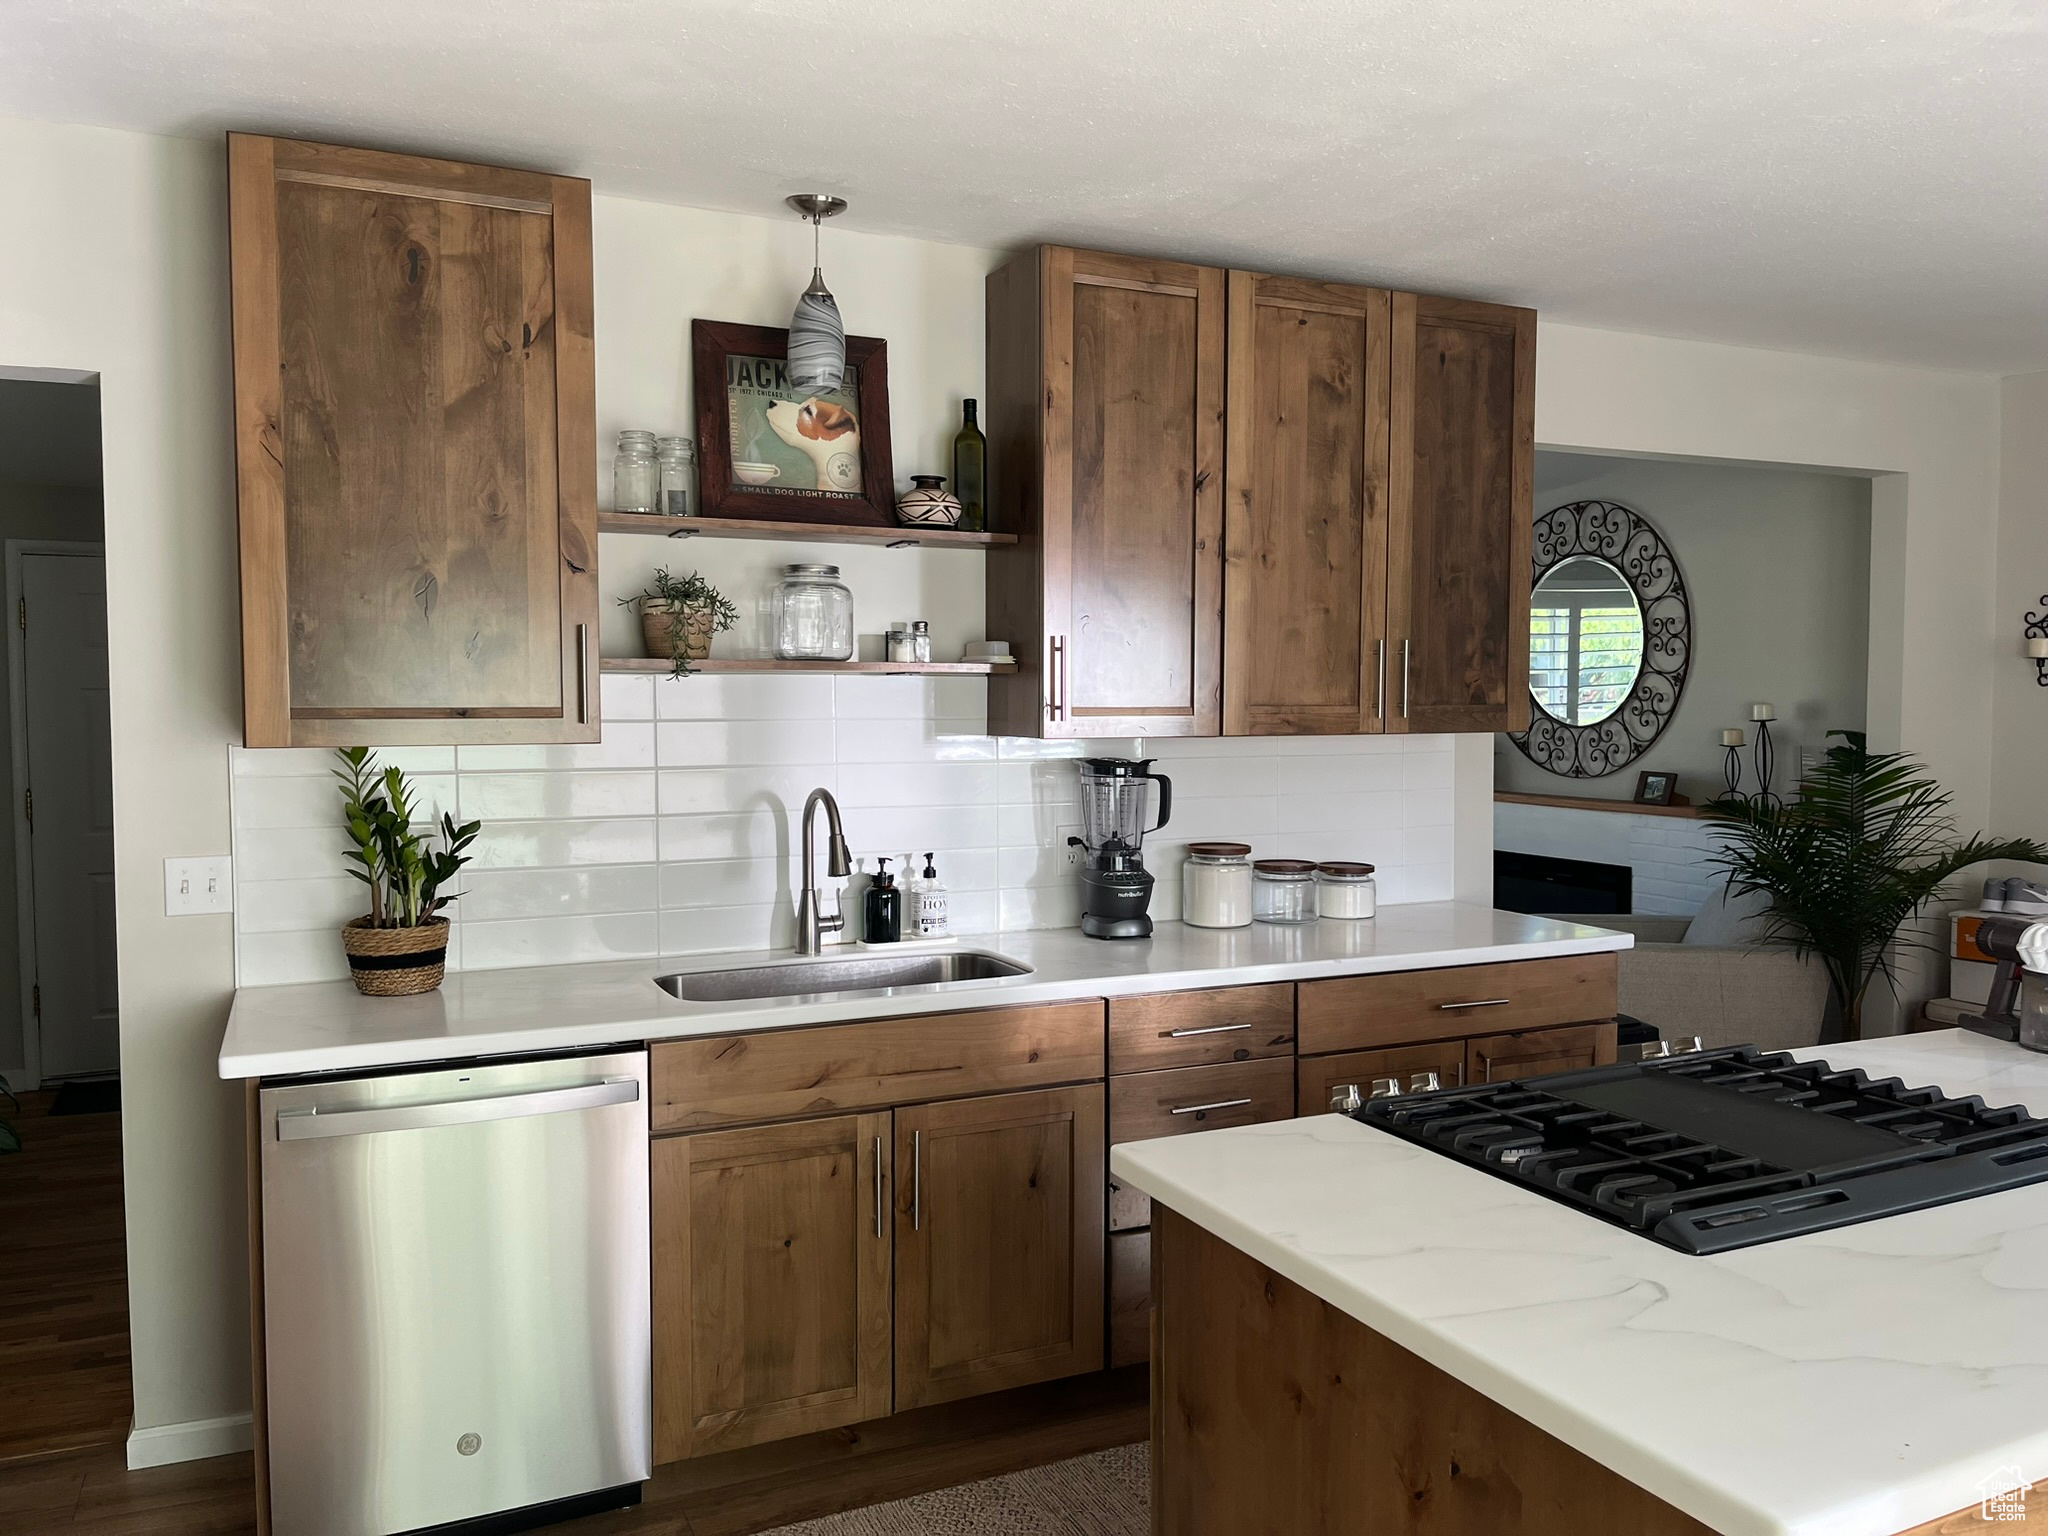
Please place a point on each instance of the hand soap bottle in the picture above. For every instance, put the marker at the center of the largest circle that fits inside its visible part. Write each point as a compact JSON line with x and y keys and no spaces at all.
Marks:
{"x":931,"y":903}
{"x":884,"y":911}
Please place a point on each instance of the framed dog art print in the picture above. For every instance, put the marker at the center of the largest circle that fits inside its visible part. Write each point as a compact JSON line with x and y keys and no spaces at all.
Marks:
{"x":778,"y":454}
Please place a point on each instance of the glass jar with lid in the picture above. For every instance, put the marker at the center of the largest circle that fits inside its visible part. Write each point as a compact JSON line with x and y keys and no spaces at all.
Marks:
{"x":813,"y":615}
{"x":1345,"y":890}
{"x":1284,"y":891}
{"x":675,"y":477}
{"x":633,"y":473}
{"x":1216,"y":885}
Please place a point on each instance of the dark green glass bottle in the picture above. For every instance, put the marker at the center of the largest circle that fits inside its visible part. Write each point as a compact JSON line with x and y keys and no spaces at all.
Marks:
{"x":970,"y":472}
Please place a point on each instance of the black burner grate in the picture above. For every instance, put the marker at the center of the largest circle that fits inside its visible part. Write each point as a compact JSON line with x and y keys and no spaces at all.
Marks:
{"x":1722,"y":1149}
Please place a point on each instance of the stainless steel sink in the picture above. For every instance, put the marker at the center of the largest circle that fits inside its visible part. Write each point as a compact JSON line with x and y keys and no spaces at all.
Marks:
{"x":862,"y":973}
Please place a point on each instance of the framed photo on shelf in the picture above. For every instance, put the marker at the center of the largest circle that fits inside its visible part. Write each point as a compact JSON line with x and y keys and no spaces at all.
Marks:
{"x":778,"y":454}
{"x":1654,"y":788}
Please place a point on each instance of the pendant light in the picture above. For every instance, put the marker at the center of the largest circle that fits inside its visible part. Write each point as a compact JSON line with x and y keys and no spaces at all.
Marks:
{"x":817,"y":339}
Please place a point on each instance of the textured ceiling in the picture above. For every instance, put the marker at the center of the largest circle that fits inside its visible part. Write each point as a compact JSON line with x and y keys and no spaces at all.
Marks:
{"x":1859,"y":177}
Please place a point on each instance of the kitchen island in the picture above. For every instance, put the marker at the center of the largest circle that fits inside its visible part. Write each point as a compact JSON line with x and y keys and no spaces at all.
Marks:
{"x":1353,"y":1332}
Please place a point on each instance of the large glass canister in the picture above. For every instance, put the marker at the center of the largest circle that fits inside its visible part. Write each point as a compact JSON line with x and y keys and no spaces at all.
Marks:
{"x":1284,"y":891}
{"x":813,"y":615}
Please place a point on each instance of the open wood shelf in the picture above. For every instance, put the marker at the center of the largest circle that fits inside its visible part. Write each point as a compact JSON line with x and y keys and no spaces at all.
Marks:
{"x":662,"y":665}
{"x":1587,"y":803}
{"x":812,"y":533}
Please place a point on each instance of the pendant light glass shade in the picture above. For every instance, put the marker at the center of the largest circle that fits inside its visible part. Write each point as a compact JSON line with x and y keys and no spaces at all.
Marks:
{"x":817,"y":336}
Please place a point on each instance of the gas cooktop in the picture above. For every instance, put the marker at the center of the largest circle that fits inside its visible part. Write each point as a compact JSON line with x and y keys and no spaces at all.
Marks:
{"x":1727,"y":1148}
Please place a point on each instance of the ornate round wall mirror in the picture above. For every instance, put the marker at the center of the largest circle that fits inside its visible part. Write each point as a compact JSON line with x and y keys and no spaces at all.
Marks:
{"x":1610,"y":639}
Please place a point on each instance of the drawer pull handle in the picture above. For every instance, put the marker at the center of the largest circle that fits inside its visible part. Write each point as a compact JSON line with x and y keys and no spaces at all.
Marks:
{"x":1484,"y":1002}
{"x":1199,"y":1109}
{"x":1206,"y":1029}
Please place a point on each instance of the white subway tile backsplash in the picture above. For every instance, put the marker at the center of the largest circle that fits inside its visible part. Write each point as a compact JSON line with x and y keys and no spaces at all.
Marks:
{"x":678,"y":833}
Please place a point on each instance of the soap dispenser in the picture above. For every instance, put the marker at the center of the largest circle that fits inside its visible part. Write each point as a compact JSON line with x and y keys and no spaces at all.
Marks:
{"x":884,"y":912}
{"x":931,"y":903}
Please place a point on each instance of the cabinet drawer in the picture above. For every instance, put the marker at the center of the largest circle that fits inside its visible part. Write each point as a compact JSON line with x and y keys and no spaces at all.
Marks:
{"x":1363,"y":1012}
{"x":1193,"y":1029}
{"x":1318,"y":1076}
{"x":1148,"y":1104}
{"x":788,"y":1073}
{"x":1531,"y":1053}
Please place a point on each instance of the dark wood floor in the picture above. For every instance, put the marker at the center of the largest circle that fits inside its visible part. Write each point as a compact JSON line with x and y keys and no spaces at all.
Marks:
{"x":90,"y":1493}
{"x":63,"y":1285}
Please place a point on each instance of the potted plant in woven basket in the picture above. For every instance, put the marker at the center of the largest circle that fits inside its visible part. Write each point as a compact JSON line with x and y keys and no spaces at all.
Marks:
{"x":400,"y":946}
{"x":678,"y":617}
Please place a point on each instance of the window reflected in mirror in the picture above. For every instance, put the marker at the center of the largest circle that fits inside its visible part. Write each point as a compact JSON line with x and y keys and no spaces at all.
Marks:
{"x":1585,"y":640}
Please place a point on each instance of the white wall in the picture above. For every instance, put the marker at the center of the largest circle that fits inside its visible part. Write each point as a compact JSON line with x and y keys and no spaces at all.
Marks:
{"x":126,"y":277}
{"x":1776,"y":565}
{"x":2019,"y":801}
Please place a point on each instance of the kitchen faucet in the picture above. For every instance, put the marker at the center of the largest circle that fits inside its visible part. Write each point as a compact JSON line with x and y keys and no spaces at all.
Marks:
{"x":810,"y":928}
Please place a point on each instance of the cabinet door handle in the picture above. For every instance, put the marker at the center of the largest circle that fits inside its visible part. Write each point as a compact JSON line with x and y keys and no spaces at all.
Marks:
{"x":583,"y":674}
{"x":1206,"y":1029}
{"x":1056,"y":680}
{"x":1484,"y":1002}
{"x":878,"y":1186}
{"x":1199,"y":1109}
{"x":917,"y":1181}
{"x":1379,"y":668}
{"x":1406,"y":648}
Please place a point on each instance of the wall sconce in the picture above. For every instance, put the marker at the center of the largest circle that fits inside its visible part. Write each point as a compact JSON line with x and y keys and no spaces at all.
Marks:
{"x":2036,"y":649}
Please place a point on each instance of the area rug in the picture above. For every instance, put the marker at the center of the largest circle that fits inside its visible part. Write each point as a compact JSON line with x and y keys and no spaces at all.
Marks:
{"x":1106,"y":1494}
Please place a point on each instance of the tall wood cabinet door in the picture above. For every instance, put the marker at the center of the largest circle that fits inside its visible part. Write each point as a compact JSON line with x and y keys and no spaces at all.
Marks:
{"x":415,"y":439}
{"x":1305,"y":509}
{"x":999,"y":1242}
{"x":1534,"y":1052}
{"x":1461,"y":473}
{"x":771,"y":1282}
{"x":1106,"y":435}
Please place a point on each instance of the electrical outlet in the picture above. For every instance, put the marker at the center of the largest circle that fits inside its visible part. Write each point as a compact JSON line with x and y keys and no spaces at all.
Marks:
{"x":1074,"y":854}
{"x":195,"y":887}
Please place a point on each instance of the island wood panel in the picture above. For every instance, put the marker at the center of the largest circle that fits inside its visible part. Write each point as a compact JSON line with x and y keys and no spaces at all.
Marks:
{"x":831,"y":1069}
{"x":1274,"y":1412}
{"x":772,"y":1250}
{"x":1319,"y":1076}
{"x":1532,"y":1053}
{"x":999,"y":1242}
{"x":1192,"y":1029}
{"x":415,"y":448}
{"x":1403,"y":1007}
{"x":1111,"y":463}
{"x":1461,"y":473}
{"x":1130,"y":1298}
{"x":1305,"y":508}
{"x":1144,"y":1105}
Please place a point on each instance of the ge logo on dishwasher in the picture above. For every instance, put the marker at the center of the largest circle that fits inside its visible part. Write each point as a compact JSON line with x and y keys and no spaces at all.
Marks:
{"x":469,"y":1445}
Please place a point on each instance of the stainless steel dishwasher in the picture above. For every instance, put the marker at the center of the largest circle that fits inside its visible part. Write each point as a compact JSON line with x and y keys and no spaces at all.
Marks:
{"x":456,"y":1317}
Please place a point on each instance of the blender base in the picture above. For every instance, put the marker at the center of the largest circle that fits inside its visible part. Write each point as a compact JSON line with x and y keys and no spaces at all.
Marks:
{"x":1116,"y":927}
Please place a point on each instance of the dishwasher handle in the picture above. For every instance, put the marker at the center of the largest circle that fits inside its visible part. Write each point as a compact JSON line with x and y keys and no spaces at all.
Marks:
{"x":305,"y":1124}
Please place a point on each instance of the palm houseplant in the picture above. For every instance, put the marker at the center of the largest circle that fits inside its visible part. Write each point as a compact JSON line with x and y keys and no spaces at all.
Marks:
{"x":1861,"y":849}
{"x":400,"y":946}
{"x":678,"y":617}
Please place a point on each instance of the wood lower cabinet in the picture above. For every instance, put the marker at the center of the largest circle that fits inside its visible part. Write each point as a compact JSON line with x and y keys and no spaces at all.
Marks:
{"x":1461,"y":508}
{"x":1106,"y":457}
{"x":1531,"y":1053}
{"x":999,"y":1242}
{"x":772,"y":1255}
{"x":1351,"y":1013}
{"x":1320,"y":1076}
{"x":415,"y":448}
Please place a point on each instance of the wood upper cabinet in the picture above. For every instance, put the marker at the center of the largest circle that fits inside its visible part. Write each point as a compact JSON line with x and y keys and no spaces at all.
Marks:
{"x":1305,"y":508}
{"x":415,"y":448}
{"x":999,"y":1242}
{"x":1106,"y":399}
{"x":772,"y":1251}
{"x":1462,"y":461}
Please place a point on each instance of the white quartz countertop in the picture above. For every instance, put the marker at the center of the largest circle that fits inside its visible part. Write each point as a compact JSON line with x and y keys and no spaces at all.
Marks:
{"x":329,"y":1026}
{"x":1854,"y":1382}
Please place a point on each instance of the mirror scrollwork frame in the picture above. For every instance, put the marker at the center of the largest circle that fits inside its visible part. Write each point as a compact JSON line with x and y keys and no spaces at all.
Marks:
{"x":1609,"y":531}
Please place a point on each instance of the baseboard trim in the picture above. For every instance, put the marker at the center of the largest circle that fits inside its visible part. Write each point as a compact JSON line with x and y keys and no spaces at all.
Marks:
{"x":193,"y":1440}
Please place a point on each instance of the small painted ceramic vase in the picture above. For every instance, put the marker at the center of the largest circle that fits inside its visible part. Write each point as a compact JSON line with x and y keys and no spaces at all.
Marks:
{"x":929,"y":505}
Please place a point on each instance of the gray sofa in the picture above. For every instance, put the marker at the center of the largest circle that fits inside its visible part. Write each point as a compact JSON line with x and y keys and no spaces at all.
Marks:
{"x":1727,"y":993}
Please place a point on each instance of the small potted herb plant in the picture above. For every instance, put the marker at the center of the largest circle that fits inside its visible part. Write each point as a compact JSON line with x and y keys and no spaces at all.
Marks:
{"x":401,"y":945}
{"x":678,"y":617}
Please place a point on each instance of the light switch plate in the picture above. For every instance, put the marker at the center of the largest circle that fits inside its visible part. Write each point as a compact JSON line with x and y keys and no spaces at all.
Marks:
{"x":194,"y":887}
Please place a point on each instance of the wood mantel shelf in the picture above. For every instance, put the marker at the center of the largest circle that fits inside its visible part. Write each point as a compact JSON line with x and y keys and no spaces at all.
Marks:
{"x":1587,"y":803}
{"x":661,"y":665}
{"x":811,"y":533}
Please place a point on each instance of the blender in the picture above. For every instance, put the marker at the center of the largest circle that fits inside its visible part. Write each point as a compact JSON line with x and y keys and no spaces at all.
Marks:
{"x":1115,"y":886}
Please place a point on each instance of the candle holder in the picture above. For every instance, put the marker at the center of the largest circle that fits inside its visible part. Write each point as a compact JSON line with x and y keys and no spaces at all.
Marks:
{"x":1731,"y":770}
{"x":2037,"y":642}
{"x":1765,"y":759}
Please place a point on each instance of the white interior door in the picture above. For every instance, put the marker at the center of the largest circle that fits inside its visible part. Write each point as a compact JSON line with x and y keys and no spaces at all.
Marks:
{"x":71,"y":811}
